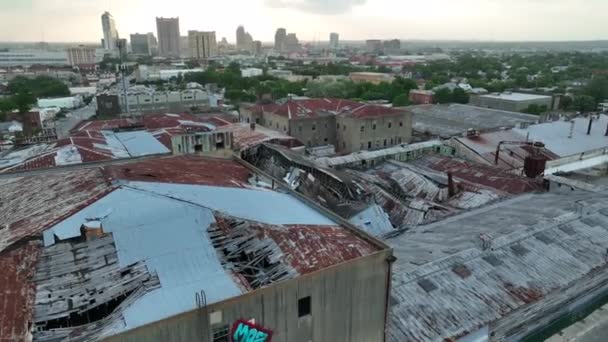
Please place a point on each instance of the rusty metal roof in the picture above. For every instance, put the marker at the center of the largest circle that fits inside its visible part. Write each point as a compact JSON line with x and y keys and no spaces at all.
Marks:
{"x":448,"y":282}
{"x":151,"y":194}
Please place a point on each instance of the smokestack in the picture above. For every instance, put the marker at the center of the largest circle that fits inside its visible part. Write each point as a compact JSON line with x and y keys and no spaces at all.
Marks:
{"x":590,"y":125}
{"x":451,"y":188}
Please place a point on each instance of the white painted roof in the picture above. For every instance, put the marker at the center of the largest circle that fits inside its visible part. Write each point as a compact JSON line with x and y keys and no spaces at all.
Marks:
{"x":517,"y":96}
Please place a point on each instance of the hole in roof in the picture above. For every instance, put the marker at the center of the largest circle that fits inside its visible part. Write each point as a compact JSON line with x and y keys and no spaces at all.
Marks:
{"x":427,"y":285}
{"x":567,"y":229}
{"x":462,"y":271}
{"x":591,"y":222}
{"x":492,"y":260}
{"x":544,"y":238}
{"x":519,"y":250}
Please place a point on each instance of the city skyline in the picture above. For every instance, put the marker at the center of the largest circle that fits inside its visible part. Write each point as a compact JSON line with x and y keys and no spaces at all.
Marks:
{"x":494,"y":20}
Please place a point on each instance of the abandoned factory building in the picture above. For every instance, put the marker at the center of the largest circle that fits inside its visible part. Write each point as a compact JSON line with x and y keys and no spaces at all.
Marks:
{"x":182,"y":249}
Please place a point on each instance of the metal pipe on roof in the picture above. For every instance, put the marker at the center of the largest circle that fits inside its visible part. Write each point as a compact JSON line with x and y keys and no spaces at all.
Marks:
{"x":590,"y":125}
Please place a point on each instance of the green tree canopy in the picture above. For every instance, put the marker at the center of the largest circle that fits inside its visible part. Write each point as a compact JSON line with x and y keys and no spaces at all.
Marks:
{"x":443,"y":95}
{"x":401,"y":100}
{"x":460,"y":96}
{"x":584,"y":103}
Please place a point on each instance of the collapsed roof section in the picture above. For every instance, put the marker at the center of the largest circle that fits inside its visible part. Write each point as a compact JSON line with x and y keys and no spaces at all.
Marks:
{"x":186,"y":231}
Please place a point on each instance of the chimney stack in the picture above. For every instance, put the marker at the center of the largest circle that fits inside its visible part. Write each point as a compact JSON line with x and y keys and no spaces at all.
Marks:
{"x":590,"y":124}
{"x":451,"y":188}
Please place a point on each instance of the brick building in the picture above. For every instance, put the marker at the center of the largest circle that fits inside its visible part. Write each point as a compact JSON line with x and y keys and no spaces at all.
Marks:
{"x":348,"y":125}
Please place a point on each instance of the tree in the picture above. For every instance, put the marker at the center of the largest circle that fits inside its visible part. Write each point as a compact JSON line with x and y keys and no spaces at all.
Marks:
{"x":401,"y":100}
{"x":584,"y":103}
{"x":24,"y":101}
{"x":460,"y":96}
{"x":443,"y":95}
{"x":598,"y":89}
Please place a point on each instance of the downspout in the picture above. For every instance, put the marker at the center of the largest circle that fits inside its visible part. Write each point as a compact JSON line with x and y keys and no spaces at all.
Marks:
{"x":389,"y":262}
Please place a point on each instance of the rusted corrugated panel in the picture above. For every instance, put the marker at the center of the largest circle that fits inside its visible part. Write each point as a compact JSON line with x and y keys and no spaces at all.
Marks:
{"x":312,"y":248}
{"x":486,"y":176}
{"x":30,"y":204}
{"x":183,"y":170}
{"x":17,"y":290}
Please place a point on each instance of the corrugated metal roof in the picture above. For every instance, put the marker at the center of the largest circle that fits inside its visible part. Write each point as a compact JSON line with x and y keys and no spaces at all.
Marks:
{"x":257,"y":205}
{"x":473,"y":286}
{"x":165,"y":226}
{"x":454,"y":119}
{"x":17,"y":292}
{"x":140,"y":143}
{"x":184,"y":259}
{"x":555,"y":135}
{"x":373,"y":220}
{"x":368,"y":155}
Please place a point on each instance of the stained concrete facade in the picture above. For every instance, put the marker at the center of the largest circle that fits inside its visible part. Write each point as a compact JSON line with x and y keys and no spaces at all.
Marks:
{"x":372,"y":133}
{"x":348,"y":303}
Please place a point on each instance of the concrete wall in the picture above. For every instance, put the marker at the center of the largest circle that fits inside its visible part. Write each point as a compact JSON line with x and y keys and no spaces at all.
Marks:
{"x":356,"y":134}
{"x":348,"y":304}
{"x":166,"y":101}
{"x":312,"y":132}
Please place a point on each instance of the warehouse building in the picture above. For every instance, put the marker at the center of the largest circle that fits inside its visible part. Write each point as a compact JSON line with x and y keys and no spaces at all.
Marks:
{"x":514,"y":102}
{"x":182,"y":249}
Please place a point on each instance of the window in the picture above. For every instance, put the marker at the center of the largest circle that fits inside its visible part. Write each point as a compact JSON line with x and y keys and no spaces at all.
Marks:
{"x":384,"y":142}
{"x":309,"y":143}
{"x":369,"y":144}
{"x":377,"y":143}
{"x":400,"y":123}
{"x":314,"y":127}
{"x":337,"y":126}
{"x":220,"y":334}
{"x":343,"y":145}
{"x":374,"y":126}
{"x":399,"y":140}
{"x":344,"y":128}
{"x":325,"y":125}
{"x":362,"y":146}
{"x":325,"y":140}
{"x":270,"y":123}
{"x":392,"y":141}
{"x":362,"y":129}
{"x":304,"y":307}
{"x":300,"y":128}
{"x":277,"y":125}
{"x":285,"y":128}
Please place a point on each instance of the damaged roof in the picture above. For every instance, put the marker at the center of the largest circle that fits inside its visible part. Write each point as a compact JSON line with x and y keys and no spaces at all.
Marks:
{"x":461,"y":274}
{"x":163,"y":220}
{"x":84,"y":147}
{"x":446,"y":121}
{"x":244,"y":136}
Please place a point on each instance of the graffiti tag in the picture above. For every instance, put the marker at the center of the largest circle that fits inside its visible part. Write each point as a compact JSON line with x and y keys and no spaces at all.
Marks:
{"x":243,"y":331}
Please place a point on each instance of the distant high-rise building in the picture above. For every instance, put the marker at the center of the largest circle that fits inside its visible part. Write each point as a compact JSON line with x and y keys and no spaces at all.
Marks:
{"x":257,"y":47}
{"x":141,"y":44}
{"x":392,"y":45}
{"x":244,"y":40}
{"x":110,"y":34}
{"x":202,"y":44}
{"x":334,"y":40}
{"x":168,"y":37}
{"x":291,"y":43}
{"x":81,"y":56}
{"x":279,"y":39}
{"x":373,"y":45}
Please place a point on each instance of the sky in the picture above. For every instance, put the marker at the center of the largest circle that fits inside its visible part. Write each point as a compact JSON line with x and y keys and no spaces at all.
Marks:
{"x":494,"y":20}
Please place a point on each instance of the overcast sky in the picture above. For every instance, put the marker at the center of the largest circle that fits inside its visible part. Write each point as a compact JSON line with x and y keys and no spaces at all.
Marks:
{"x":79,"y":20}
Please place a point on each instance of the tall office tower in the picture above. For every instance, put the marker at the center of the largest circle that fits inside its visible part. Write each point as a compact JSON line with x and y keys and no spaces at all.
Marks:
{"x":81,"y":56}
{"x":168,"y":36}
{"x":110,"y":34}
{"x":257,"y":47}
{"x":334,"y":40}
{"x":291,"y":43}
{"x":202,"y":44}
{"x":279,"y":39}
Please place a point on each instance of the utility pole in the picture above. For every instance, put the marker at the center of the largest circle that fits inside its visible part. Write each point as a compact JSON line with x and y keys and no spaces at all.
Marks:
{"x":123,"y":69}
